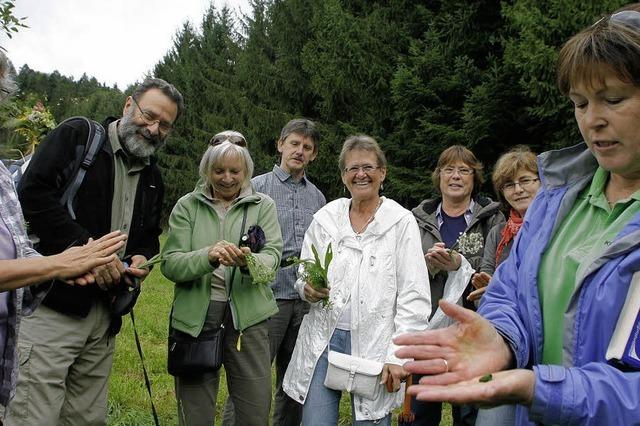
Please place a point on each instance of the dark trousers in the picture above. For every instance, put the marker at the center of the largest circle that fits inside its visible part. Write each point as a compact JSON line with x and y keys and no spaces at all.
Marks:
{"x":248,"y":377}
{"x":283,"y":332}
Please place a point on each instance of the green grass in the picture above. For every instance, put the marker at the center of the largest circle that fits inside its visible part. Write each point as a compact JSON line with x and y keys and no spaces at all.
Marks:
{"x":128,"y":398}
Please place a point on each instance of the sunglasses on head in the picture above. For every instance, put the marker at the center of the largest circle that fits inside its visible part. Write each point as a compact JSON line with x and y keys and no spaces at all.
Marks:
{"x":234,"y":139}
{"x":629,"y":18}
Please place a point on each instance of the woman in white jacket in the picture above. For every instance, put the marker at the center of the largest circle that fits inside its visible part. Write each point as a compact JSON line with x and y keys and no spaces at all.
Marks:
{"x":379,"y":288}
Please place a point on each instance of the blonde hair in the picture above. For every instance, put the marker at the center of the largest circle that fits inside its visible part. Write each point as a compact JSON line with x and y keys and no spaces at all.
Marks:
{"x":508,"y":166}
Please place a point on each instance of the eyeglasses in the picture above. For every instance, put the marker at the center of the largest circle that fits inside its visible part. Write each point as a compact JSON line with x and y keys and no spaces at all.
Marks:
{"x":630,"y":18}
{"x":367,"y":168}
{"x":462,"y":171}
{"x":524,"y":183}
{"x":149,"y":119}
{"x":234,"y":139}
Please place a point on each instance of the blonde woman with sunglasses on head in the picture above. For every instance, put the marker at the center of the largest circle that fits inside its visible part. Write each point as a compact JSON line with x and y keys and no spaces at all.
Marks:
{"x":213,"y":288}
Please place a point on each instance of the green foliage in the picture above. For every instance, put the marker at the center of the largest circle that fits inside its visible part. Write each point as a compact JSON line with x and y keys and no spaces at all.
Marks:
{"x":9,"y":22}
{"x":260,"y":273}
{"x":315,"y":272}
{"x":30,"y":121}
{"x":417,"y":76}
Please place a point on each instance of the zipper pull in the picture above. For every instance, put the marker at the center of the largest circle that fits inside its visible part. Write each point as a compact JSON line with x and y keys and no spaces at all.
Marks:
{"x":173,"y":346}
{"x":239,"y":344}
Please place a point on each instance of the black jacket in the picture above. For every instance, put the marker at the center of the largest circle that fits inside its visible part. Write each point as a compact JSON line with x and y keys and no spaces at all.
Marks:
{"x":41,"y":188}
{"x":486,"y":214}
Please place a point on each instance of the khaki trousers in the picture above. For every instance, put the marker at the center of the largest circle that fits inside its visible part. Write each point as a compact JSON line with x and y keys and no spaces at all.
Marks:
{"x":248,"y":377}
{"x":65,"y":364}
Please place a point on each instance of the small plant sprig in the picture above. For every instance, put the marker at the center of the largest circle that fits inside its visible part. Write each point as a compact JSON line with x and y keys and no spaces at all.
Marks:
{"x":470,"y":243}
{"x":314,"y":272}
{"x":155,"y":259}
{"x":260,"y":273}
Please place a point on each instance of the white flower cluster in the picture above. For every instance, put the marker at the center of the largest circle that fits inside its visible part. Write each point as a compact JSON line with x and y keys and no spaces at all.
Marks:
{"x":470,"y":243}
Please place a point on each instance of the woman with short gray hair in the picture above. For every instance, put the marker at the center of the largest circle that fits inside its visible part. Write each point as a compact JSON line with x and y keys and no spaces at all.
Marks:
{"x":204,"y":258}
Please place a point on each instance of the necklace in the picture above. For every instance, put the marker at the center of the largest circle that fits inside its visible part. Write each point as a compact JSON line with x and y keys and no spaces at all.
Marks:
{"x":373,"y":215}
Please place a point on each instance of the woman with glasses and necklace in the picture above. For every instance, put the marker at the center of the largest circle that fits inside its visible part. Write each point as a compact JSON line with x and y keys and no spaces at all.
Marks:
{"x":557,"y":330}
{"x":379,"y":288}
{"x":204,"y":258}
{"x":453,"y":229}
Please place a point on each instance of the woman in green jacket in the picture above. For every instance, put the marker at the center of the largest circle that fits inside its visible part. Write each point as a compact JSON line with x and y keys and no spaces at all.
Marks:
{"x":212,"y":286}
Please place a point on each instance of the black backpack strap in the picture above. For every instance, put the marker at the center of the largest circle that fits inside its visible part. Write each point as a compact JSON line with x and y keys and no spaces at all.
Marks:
{"x":95,"y":139}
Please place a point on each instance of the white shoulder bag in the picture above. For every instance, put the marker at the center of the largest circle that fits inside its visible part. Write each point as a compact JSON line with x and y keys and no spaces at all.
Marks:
{"x":350,"y":373}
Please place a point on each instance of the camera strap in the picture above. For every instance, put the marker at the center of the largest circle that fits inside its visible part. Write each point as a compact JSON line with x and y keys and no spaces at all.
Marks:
{"x":147,"y":382}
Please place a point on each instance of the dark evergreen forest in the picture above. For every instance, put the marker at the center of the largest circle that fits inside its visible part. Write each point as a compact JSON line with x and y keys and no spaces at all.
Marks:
{"x":419,"y":76}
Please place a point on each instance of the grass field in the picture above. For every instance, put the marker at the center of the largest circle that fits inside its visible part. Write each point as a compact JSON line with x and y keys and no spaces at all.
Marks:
{"x":128,"y":400}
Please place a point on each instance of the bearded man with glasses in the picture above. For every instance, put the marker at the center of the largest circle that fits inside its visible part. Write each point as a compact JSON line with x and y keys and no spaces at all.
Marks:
{"x":453,"y":227}
{"x":67,"y":345}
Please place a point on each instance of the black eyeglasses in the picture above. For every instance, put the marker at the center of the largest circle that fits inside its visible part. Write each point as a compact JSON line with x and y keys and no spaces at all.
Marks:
{"x":150,"y":119}
{"x":234,"y":139}
{"x":525,"y":183}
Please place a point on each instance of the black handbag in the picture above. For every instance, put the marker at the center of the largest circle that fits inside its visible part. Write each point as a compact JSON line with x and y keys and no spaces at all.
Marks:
{"x":190,"y":355}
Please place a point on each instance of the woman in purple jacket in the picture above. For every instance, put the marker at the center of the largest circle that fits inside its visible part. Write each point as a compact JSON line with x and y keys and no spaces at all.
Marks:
{"x":543,"y":336}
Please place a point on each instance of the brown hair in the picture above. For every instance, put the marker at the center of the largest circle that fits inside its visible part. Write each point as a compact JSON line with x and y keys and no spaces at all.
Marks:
{"x":509,"y":164}
{"x":612,"y":43}
{"x":458,"y":153}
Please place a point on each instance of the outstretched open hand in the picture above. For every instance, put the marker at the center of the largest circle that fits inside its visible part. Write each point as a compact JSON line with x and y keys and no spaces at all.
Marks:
{"x":504,"y":387}
{"x":469,"y":348}
{"x":456,"y":358}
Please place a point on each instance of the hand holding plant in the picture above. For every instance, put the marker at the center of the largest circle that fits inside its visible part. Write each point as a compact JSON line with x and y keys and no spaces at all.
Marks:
{"x":315,"y":274}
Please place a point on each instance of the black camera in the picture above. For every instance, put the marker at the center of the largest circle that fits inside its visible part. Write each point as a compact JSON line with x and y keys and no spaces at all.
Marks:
{"x":126,"y":296}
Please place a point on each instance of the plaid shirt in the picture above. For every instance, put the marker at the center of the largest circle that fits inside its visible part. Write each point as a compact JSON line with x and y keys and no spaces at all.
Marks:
{"x":21,"y":301}
{"x":296,"y":202}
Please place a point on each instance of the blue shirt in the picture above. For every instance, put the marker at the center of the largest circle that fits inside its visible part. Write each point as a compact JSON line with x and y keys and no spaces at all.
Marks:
{"x":454,"y":226}
{"x":296,"y":203}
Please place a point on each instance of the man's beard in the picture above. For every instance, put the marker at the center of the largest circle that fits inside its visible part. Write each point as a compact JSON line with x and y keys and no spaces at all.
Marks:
{"x":138,"y":140}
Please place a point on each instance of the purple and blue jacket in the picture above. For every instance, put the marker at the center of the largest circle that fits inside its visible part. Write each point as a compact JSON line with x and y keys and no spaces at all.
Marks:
{"x":587,"y":389}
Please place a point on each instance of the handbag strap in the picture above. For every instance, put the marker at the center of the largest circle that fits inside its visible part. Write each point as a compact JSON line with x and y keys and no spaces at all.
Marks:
{"x":233,"y":271}
{"x":244,"y":223}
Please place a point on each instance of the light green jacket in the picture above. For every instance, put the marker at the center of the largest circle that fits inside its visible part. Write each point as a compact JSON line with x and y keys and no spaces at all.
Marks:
{"x":194,"y":227}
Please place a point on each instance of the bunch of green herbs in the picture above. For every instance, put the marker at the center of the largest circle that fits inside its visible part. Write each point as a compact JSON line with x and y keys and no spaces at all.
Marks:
{"x":260,"y":273}
{"x":314,"y":272}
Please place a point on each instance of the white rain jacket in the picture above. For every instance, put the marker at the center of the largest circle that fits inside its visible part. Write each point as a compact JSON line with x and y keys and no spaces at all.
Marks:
{"x":383,"y":274}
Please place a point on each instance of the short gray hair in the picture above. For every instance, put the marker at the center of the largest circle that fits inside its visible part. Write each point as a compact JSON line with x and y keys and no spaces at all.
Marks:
{"x":364,"y":143}
{"x":215,"y":154}
{"x":8,"y":85}
{"x":168,"y":89}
